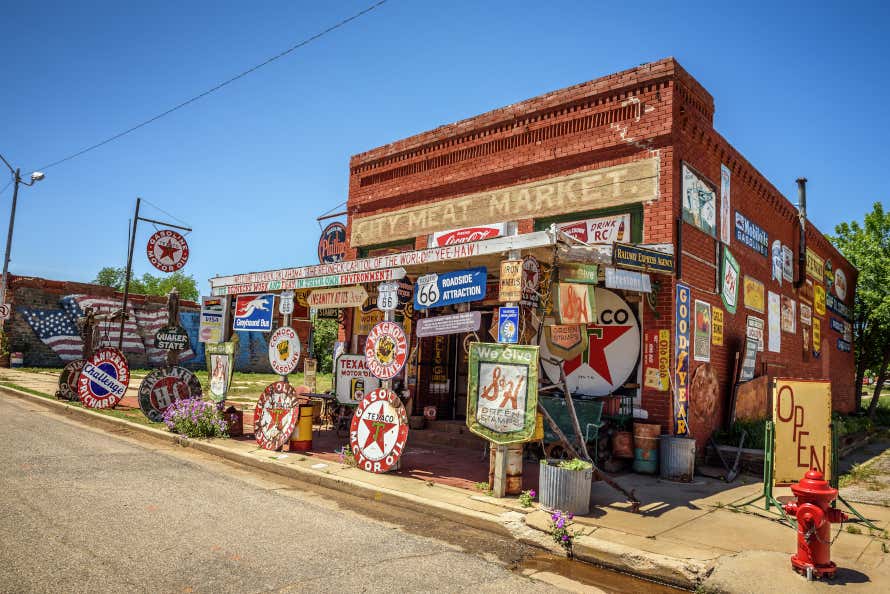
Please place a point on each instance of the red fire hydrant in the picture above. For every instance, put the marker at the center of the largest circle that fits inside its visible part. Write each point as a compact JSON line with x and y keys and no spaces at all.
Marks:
{"x":814,"y":518}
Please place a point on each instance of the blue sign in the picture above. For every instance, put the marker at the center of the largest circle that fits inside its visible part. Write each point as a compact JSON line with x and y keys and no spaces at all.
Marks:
{"x":460,"y":286}
{"x":508,"y":324}
{"x":751,"y":235}
{"x":253,"y":313}
{"x":843,"y":345}
{"x":836,"y":325}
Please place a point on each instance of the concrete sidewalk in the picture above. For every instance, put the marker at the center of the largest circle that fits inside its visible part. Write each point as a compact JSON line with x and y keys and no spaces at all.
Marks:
{"x":685,"y":534}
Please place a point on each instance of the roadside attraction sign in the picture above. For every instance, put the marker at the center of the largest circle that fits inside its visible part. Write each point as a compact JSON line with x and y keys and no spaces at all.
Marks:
{"x":167,"y":250}
{"x":353,"y":379}
{"x":458,"y":323}
{"x":68,"y":380}
{"x":502,"y":395}
{"x":276,"y":414}
{"x":332,"y":244}
{"x":104,"y":379}
{"x":164,"y":386}
{"x":386,"y":350}
{"x":340,"y":297}
{"x":284,"y":350}
{"x":171,"y":338}
{"x":379,"y":431}
{"x":448,"y":288}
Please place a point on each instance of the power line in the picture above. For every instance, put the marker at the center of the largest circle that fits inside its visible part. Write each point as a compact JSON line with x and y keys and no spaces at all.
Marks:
{"x":219,"y":86}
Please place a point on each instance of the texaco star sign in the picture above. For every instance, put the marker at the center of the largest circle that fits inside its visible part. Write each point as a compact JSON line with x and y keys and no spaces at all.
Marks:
{"x":167,"y":250}
{"x":379,"y":431}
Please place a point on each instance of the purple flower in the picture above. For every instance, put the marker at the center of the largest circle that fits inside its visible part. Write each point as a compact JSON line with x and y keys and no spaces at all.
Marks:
{"x":554,"y":517}
{"x":565,"y":537}
{"x":571,"y":516}
{"x":560,"y":523}
{"x":532,"y":493}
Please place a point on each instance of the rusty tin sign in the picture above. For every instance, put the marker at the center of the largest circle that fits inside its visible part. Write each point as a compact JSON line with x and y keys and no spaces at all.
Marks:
{"x":379,"y":431}
{"x":164,"y":386}
{"x":276,"y":415}
{"x":68,"y":381}
{"x":104,"y":379}
{"x":386,"y":350}
{"x":284,"y":350}
{"x":220,"y":366}
{"x":172,"y":338}
{"x":332,"y":244}
{"x":167,"y":250}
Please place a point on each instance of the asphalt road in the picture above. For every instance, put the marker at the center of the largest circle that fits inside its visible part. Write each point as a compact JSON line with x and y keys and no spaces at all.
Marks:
{"x":82,"y":510}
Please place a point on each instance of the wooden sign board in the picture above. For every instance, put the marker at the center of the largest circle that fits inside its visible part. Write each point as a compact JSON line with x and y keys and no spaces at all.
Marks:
{"x":802,"y":418}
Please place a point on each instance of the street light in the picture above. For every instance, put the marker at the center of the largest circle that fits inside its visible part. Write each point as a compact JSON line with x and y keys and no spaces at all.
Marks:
{"x":35,"y":177}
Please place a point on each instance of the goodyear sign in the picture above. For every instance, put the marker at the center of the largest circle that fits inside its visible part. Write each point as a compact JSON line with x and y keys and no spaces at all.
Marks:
{"x":681,"y":359}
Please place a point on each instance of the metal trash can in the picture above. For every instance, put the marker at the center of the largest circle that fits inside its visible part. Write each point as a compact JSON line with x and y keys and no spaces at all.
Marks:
{"x":301,"y":438}
{"x":646,"y":447}
{"x":565,"y":490}
{"x":677,"y":458}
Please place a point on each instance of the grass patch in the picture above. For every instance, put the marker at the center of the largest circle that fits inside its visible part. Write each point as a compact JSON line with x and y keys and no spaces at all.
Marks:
{"x":129,"y":414}
{"x":862,"y":474}
{"x":28,"y":390}
{"x":854,"y":529}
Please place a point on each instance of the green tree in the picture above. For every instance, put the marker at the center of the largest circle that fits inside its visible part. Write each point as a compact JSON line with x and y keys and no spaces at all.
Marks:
{"x":149,"y":284}
{"x":867,"y":247}
{"x":323,"y":338}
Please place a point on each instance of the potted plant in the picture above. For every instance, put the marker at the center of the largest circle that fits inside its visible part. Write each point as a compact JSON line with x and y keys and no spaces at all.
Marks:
{"x":565,"y":485}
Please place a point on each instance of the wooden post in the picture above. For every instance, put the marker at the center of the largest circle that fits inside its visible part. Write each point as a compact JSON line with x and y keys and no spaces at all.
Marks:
{"x":173,"y":320}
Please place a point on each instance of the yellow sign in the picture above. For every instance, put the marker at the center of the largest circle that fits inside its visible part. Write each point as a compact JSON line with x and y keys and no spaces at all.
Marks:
{"x":510,"y":285}
{"x":802,"y":418}
{"x":754,"y":294}
{"x":817,"y":336}
{"x":586,"y":190}
{"x":819,"y":299}
{"x":664,"y":358}
{"x":716,"y":326}
{"x":815,"y":266}
{"x":365,"y":320}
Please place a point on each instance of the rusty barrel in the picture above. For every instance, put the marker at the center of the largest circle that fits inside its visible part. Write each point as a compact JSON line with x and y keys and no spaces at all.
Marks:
{"x":235,"y":421}
{"x":646,"y":447}
{"x":514,"y":468}
{"x":301,"y":438}
{"x":623,"y":444}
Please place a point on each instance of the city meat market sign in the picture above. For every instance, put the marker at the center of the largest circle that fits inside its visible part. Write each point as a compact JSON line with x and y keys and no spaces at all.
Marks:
{"x":162,"y":387}
{"x":276,"y":415}
{"x":379,"y":431}
{"x":104,"y":379}
{"x":167,"y":250}
{"x":587,"y":190}
{"x":386,"y":350}
{"x":340,"y":297}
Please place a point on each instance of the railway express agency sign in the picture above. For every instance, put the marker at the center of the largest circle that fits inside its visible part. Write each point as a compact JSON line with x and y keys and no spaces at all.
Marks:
{"x":379,"y":431}
{"x":386,"y":350}
{"x":104,"y":379}
{"x":162,"y":387}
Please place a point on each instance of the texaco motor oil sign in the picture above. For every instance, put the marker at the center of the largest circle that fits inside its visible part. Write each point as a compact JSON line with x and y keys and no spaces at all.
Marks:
{"x":162,"y":387}
{"x":276,"y":415}
{"x":167,"y":250}
{"x":379,"y":430}
{"x":386,"y":349}
{"x":104,"y":379}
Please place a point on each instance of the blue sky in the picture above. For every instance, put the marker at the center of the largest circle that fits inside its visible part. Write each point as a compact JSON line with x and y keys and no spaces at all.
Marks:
{"x":799,"y":90}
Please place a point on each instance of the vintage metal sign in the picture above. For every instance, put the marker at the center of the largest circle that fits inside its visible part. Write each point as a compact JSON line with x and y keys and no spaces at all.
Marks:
{"x":104,"y":379}
{"x":774,"y":321}
{"x":378,"y":431}
{"x":802,"y":418}
{"x":253,"y":313}
{"x":363,"y":321}
{"x":386,"y":349}
{"x":817,"y":337}
{"x":819,"y":299}
{"x":164,"y":386}
{"x":167,"y":250}
{"x":331,"y":280}
{"x":460,"y":286}
{"x":340,"y":297}
{"x":699,"y":201}
{"x":806,"y":314}
{"x":729,"y":289}
{"x":628,"y":280}
{"x":725,"y":205}
{"x":751,"y":235}
{"x":716,"y":326}
{"x":510,"y":283}
{"x":657,"y":367}
{"x":172,"y":338}
{"x":284,"y":350}
{"x":576,"y":303}
{"x":5,"y":311}
{"x":508,"y":325}
{"x":611,"y":229}
{"x":778,"y":261}
{"x":787,"y":263}
{"x":789,"y":315}
{"x":388,"y":296}
{"x":469,"y":321}
{"x":531,"y":279}
{"x":276,"y":414}
{"x":68,"y":380}
{"x":466,"y":234}
{"x":220,"y":366}
{"x":755,"y":294}
{"x":683,"y":337}
{"x":353,"y":379}
{"x":638,"y":258}
{"x":750,"y":360}
{"x":213,"y":319}
{"x":286,"y":303}
{"x":815,"y":266}
{"x":576,"y":272}
{"x":754,"y":330}
{"x":332,"y":244}
{"x":835,"y":305}
{"x":502,"y":395}
{"x":327,"y":313}
{"x":566,"y":341}
{"x":702,"y":341}
{"x":840,"y":284}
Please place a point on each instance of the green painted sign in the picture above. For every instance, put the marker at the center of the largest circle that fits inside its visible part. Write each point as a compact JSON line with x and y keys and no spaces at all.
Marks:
{"x":576,"y":272}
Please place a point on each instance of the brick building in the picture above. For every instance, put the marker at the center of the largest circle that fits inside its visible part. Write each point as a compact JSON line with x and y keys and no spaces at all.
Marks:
{"x":635,"y":152}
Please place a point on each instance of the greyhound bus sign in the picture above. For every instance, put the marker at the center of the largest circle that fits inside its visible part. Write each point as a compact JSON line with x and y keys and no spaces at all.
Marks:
{"x":253,"y":313}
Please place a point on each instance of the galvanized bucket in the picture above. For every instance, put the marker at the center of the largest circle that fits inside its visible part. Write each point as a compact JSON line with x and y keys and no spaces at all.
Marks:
{"x":565,"y":490}
{"x":677,"y":458}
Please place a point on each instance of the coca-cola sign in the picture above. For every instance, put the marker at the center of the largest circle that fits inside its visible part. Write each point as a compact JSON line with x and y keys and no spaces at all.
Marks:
{"x":332,"y":244}
{"x":466,"y":235}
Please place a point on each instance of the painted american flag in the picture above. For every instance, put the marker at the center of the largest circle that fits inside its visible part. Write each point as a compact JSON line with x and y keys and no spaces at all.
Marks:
{"x":150,"y":321}
{"x":57,"y":330}
{"x":109,"y":331}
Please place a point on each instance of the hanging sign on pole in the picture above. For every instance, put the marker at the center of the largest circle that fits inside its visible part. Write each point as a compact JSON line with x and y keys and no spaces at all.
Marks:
{"x":167,"y":250}
{"x":286,"y":303}
{"x":104,"y":379}
{"x":510,"y":285}
{"x":388,"y":296}
{"x":332,"y":244}
{"x":213,"y":319}
{"x":253,"y":313}
{"x":171,"y":338}
{"x":284,"y":350}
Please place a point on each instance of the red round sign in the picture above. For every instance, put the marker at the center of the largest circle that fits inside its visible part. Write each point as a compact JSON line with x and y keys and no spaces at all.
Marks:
{"x":332,"y":244}
{"x":167,"y":250}
{"x":68,"y":380}
{"x":104,"y":379}
{"x":276,"y":415}
{"x":164,"y":386}
{"x":386,"y":350}
{"x":379,"y":431}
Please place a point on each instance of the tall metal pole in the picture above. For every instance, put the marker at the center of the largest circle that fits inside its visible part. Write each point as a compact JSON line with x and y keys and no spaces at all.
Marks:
{"x":120,"y":340}
{"x":15,"y":196}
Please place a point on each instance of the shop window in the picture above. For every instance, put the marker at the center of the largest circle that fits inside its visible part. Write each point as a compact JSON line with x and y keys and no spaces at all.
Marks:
{"x":384,"y":249}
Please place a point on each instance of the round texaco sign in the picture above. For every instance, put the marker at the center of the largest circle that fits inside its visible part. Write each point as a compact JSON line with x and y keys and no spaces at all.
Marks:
{"x":284,"y":350}
{"x":104,"y":379}
{"x":276,"y":415}
{"x":68,"y":380}
{"x":386,"y":349}
{"x":162,"y":387}
{"x":379,"y":431}
{"x":167,"y":250}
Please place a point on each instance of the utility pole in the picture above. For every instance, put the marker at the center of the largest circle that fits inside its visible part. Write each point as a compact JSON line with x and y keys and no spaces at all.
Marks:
{"x":17,"y":179}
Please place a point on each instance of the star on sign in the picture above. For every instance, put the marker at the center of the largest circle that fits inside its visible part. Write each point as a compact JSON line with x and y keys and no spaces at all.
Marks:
{"x":600,"y":337}
{"x":168,"y":251}
{"x":377,"y":430}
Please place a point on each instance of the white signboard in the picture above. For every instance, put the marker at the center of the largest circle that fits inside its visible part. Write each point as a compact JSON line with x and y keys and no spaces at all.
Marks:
{"x":450,"y":324}
{"x":284,"y":350}
{"x":388,"y":296}
{"x":600,"y":230}
{"x":286,"y":303}
{"x":352,"y":379}
{"x":628,"y":280}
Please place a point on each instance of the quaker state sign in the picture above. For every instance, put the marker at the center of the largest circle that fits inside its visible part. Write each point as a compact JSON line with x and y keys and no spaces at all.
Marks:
{"x":164,"y":386}
{"x":167,"y":250}
{"x":379,"y":431}
{"x":386,"y":349}
{"x":104,"y":379}
{"x":171,"y":338}
{"x":68,"y":380}
{"x":284,"y":350}
{"x":276,"y":415}
{"x":502,"y":395}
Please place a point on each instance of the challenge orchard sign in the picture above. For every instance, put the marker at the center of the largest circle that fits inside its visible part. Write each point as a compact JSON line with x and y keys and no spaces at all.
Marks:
{"x":104,"y":379}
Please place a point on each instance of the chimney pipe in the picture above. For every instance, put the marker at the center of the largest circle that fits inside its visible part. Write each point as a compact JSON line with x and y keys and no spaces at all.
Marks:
{"x":802,"y":218}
